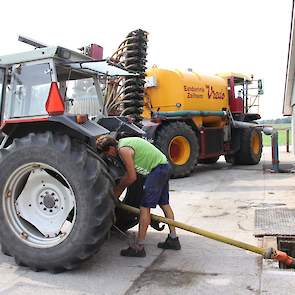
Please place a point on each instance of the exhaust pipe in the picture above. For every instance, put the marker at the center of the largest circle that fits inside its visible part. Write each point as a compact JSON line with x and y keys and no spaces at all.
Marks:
{"x":267,"y":130}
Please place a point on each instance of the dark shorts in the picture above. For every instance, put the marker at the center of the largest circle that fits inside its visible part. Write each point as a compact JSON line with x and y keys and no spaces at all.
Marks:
{"x":156,"y":187}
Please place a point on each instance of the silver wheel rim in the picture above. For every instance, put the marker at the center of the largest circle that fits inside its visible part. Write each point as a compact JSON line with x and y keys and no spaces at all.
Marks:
{"x":39,"y":205}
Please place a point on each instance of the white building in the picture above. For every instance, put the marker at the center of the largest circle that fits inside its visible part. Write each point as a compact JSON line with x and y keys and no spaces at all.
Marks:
{"x":289,"y":96}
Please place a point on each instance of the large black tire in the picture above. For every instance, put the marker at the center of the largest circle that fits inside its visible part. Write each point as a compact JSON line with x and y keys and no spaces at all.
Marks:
{"x":126,"y":220}
{"x":250,"y":147}
{"x":91,"y":190}
{"x":212,"y":160}
{"x":180,"y":137}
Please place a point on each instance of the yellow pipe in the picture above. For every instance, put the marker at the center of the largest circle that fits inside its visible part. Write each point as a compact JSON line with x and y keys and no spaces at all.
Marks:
{"x":199,"y":231}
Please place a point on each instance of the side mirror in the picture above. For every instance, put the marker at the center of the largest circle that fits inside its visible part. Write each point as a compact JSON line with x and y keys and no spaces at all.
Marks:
{"x":260,"y":87}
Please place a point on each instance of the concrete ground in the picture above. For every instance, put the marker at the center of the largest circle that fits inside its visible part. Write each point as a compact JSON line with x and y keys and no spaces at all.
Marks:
{"x":218,"y":197}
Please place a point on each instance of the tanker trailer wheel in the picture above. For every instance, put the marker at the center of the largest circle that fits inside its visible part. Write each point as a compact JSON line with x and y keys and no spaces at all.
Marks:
{"x":179,"y":143}
{"x":250,"y":147}
{"x":56,"y":206}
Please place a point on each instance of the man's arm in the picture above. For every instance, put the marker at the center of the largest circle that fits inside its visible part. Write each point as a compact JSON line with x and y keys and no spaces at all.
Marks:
{"x":126,"y":154}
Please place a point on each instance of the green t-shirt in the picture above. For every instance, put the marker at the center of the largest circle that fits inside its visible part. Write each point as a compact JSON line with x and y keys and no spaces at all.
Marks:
{"x":146,"y":155}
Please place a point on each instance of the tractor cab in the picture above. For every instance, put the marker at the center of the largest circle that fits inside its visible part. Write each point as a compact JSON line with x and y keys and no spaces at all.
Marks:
{"x":243,"y":93}
{"x":55,"y":84}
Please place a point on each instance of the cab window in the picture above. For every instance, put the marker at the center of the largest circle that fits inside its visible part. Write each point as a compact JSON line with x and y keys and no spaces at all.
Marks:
{"x":30,"y":87}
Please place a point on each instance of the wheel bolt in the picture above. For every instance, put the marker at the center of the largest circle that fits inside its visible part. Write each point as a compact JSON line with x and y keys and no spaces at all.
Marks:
{"x":24,"y":235}
{"x":41,"y":203}
{"x":56,"y":200}
{"x":52,"y":194}
{"x":44,"y":209}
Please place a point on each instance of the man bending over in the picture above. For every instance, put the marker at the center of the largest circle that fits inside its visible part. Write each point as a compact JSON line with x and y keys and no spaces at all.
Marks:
{"x":140,"y":156}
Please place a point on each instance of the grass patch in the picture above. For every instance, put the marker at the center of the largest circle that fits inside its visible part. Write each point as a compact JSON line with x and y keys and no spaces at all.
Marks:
{"x":282,"y":134}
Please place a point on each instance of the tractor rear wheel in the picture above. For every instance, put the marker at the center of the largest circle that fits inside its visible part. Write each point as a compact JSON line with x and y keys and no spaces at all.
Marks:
{"x":56,"y":206}
{"x":250,"y":147}
{"x":179,"y":143}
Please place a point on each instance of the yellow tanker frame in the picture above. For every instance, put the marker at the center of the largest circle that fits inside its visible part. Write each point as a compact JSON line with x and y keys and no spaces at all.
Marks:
{"x":189,"y":117}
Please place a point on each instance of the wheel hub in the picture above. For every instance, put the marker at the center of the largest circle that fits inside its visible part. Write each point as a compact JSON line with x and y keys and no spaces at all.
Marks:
{"x":179,"y":150}
{"x":49,"y":201}
{"x":45,"y":203}
{"x":256,"y":144}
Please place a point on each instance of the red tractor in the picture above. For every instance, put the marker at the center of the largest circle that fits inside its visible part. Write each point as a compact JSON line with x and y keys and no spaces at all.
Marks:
{"x":56,"y":189}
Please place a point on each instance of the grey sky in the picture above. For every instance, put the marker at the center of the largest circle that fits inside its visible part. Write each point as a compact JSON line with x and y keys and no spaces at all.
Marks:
{"x":209,"y":36}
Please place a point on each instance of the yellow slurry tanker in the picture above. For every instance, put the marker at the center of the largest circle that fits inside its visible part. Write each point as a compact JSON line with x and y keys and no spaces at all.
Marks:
{"x":194,"y":118}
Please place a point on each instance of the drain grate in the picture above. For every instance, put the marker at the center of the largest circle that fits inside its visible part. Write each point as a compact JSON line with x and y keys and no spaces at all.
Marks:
{"x":274,"y":222}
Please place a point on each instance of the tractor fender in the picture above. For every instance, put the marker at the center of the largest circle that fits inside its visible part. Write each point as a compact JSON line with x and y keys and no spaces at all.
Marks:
{"x":87,"y":131}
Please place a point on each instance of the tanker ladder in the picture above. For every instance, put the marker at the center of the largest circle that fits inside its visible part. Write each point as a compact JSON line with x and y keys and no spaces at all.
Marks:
{"x":269,"y":253}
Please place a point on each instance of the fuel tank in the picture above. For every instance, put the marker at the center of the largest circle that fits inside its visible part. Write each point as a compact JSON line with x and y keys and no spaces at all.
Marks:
{"x":170,"y":91}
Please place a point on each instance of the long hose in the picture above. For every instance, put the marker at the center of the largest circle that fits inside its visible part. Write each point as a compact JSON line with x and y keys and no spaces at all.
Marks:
{"x":266,"y":253}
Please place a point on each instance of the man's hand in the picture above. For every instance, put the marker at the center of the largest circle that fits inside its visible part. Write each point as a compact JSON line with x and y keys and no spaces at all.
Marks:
{"x":126,"y":154}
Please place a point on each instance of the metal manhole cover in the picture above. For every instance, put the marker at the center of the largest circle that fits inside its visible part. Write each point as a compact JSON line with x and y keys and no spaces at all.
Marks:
{"x":274,"y":222}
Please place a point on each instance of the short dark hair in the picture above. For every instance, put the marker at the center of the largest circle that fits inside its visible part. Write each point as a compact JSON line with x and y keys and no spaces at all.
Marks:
{"x":104,"y":142}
